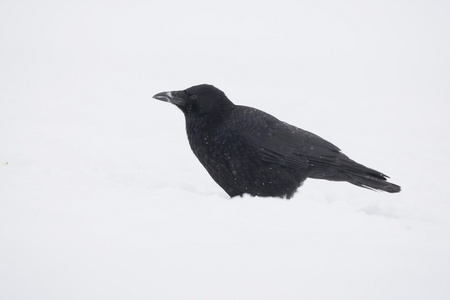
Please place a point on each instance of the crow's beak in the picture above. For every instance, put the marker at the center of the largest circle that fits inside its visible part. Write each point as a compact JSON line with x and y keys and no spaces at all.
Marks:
{"x":177,"y":97}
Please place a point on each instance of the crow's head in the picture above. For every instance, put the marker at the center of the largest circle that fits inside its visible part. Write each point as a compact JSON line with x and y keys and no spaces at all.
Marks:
{"x":198,"y":100}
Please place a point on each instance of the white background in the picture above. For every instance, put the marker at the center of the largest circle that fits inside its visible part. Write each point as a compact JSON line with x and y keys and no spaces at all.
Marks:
{"x":101,"y":197}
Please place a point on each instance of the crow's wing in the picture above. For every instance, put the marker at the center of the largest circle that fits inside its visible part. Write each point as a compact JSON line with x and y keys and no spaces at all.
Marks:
{"x":278,"y":142}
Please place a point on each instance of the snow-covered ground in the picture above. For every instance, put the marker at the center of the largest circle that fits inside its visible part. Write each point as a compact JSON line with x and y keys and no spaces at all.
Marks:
{"x":101,"y":197}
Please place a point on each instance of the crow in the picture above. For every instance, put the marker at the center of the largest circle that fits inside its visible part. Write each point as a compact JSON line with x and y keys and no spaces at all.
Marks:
{"x":247,"y":151}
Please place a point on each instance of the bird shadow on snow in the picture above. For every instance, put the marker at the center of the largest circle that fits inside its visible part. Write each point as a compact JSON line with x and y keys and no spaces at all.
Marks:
{"x":366,"y":207}
{"x":377,"y":210}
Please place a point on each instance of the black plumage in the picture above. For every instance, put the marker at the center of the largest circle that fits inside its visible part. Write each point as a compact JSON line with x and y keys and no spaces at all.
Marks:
{"x":246,"y":150}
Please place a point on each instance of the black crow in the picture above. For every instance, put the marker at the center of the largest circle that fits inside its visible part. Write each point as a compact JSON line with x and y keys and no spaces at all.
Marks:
{"x":247,"y":151}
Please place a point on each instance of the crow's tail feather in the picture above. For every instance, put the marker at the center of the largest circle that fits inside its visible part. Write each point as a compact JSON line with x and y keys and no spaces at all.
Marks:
{"x":374,"y":183}
{"x":345,"y":169}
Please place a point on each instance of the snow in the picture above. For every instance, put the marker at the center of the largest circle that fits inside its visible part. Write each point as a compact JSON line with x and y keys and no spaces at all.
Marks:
{"x":101,"y":197}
